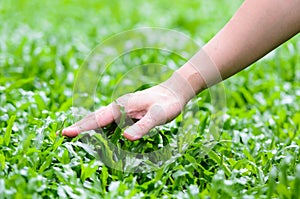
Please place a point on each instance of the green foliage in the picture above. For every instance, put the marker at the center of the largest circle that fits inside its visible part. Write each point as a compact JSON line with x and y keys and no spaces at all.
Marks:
{"x":42,"y":45}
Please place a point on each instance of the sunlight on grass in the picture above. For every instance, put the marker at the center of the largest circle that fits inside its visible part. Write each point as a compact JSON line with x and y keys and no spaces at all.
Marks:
{"x":43,"y":44}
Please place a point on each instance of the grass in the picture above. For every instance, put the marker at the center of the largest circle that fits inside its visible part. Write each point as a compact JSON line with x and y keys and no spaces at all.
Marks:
{"x":42,"y":46}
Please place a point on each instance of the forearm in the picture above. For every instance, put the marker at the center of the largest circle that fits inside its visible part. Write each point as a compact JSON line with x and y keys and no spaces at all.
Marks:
{"x":257,"y":27}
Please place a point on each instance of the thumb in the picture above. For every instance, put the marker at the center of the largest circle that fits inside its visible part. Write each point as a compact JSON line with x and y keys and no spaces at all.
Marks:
{"x":154,"y":117}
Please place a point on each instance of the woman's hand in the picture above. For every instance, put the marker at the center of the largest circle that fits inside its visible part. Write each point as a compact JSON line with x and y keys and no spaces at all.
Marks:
{"x":151,"y":107}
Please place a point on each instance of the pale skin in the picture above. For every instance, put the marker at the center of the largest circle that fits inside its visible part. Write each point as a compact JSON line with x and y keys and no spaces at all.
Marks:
{"x":257,"y":27}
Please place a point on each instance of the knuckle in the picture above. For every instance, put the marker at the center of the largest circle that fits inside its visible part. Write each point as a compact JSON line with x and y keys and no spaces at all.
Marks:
{"x":123,"y":100}
{"x":142,"y":125}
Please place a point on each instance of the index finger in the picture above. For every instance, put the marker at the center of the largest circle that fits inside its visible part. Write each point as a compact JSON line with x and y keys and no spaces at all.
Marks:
{"x":97,"y":119}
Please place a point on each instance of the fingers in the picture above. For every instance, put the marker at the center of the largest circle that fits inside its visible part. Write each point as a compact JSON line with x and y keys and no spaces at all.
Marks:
{"x":132,"y":103}
{"x":97,"y":119}
{"x":136,"y":106}
{"x":155,"y":116}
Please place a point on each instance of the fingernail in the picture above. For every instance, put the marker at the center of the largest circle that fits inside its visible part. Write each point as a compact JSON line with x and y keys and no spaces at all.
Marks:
{"x":63,"y":132}
{"x":131,"y":136}
{"x":70,"y":131}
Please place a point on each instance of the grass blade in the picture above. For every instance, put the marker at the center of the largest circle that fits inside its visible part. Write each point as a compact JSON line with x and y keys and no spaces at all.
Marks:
{"x":8,"y":131}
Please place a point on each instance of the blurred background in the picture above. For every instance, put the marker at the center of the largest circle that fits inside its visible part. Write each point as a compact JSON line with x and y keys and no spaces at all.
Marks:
{"x":44,"y":43}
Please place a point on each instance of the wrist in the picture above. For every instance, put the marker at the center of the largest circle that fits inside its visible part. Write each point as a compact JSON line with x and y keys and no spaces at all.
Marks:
{"x":184,"y":85}
{"x":191,"y":77}
{"x":200,"y":72}
{"x":194,"y":76}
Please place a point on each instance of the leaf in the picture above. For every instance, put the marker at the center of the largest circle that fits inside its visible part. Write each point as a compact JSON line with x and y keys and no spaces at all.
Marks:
{"x":117,"y":133}
{"x":296,"y":190}
{"x":87,"y":170}
{"x":214,"y":156}
{"x":85,"y":147}
{"x":46,"y":164}
{"x":8,"y":131}
{"x":19,"y":83}
{"x":2,"y":161}
{"x":104,"y":177}
{"x":65,"y":159}
{"x":58,"y":141}
{"x":66,"y":105}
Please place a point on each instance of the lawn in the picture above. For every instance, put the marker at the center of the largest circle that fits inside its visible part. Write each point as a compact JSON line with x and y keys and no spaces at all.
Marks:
{"x":254,"y":152}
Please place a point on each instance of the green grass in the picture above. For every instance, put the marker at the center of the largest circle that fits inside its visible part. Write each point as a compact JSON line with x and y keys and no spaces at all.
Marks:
{"x":43,"y":44}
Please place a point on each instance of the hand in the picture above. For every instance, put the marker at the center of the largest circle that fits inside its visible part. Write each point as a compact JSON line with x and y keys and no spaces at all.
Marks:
{"x":151,"y":107}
